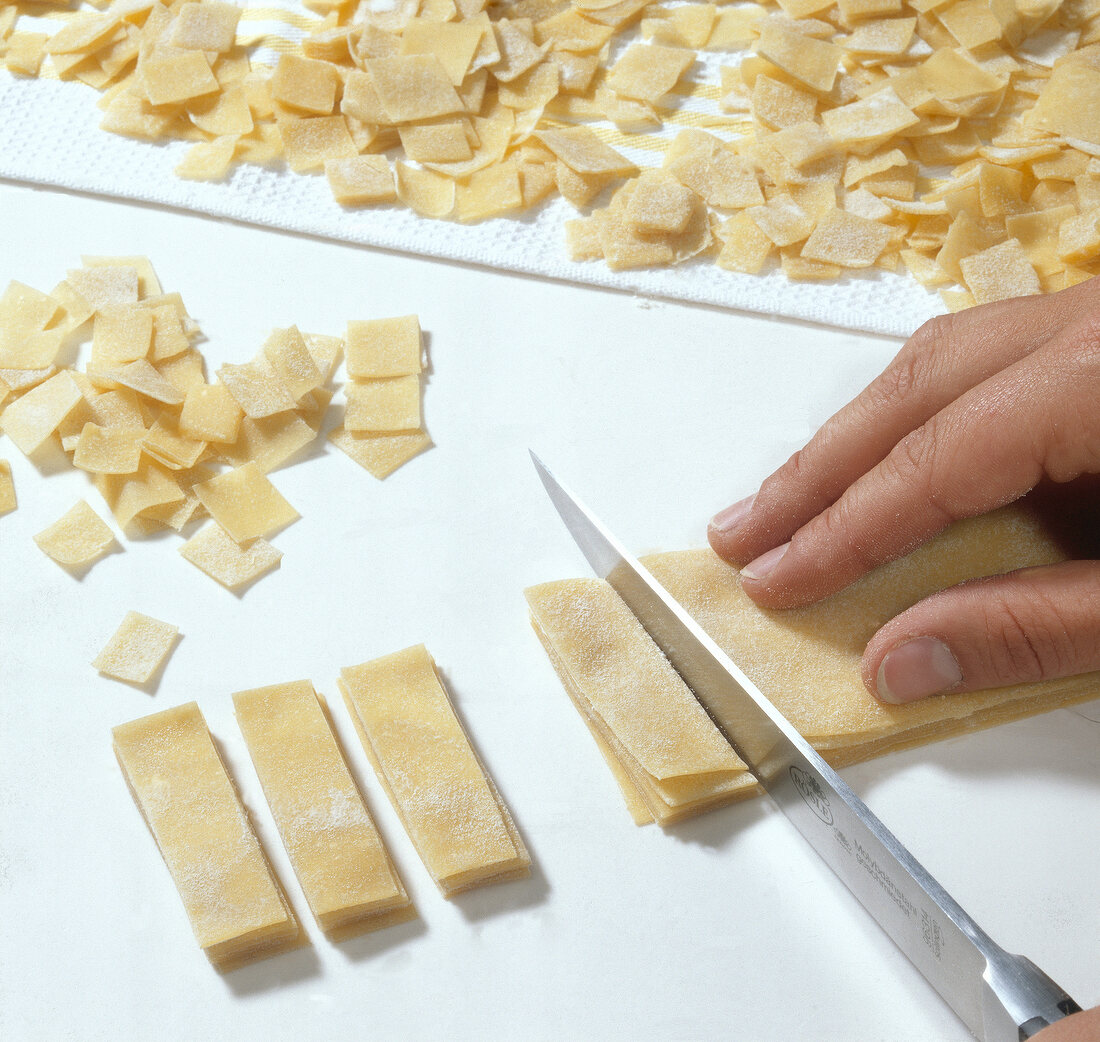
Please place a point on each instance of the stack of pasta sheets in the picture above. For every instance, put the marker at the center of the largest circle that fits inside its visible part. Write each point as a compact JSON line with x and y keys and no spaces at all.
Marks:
{"x":423,"y":757}
{"x":233,"y":898}
{"x":341,"y":861}
{"x":665,"y":752}
{"x":383,"y":425}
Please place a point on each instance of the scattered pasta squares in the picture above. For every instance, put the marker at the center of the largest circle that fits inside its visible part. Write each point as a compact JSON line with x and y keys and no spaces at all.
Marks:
{"x":152,"y":433}
{"x":109,"y":450}
{"x":208,"y":160}
{"x":469,"y":113}
{"x":745,"y":247}
{"x":7,"y":489}
{"x":1000,"y":272}
{"x":105,"y":286}
{"x":380,"y":454}
{"x":361,"y":180}
{"x":312,"y":142}
{"x":78,"y":539}
{"x":271,"y":441}
{"x":257,"y":388}
{"x":245,"y":503}
{"x":215,"y":552}
{"x":166,"y":445}
{"x":143,"y":377}
{"x":865,"y":123}
{"x":286,"y":350}
{"x":211,"y":413}
{"x":208,"y":26}
{"x":583,"y":152}
{"x":121,"y":334}
{"x":648,"y":73}
{"x":386,"y":405}
{"x":383,"y":347}
{"x":177,"y":77}
{"x":428,"y":193}
{"x":131,"y":496}
{"x":138,"y":649}
{"x":847,"y":240}
{"x":814,"y":63}
{"x":24,"y":53}
{"x":305,"y":84}
{"x":25,"y":314}
{"x":30,"y":420}
{"x":660,"y":204}
{"x":782,"y":220}
{"x":414,"y":87}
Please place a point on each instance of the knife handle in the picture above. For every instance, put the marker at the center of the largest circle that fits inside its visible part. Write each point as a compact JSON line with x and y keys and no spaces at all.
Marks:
{"x":1019,"y":999}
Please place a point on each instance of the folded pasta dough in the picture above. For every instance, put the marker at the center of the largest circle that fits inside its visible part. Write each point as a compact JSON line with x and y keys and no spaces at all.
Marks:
{"x":642,"y":715}
{"x":423,"y":758}
{"x":807,"y":660}
{"x":237,"y":908}
{"x":333,"y":843}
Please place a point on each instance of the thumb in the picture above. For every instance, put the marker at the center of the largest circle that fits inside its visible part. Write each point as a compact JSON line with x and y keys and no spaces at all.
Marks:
{"x":1029,"y":625}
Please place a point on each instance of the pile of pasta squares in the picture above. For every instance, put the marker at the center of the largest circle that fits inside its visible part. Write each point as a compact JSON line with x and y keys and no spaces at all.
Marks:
{"x":164,"y":445}
{"x":960,"y":138}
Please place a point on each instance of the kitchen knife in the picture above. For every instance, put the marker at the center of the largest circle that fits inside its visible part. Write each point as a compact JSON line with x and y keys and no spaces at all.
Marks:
{"x":1000,"y":997}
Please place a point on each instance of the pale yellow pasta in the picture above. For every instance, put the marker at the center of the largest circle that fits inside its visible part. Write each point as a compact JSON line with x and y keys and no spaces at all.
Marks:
{"x":232,"y":897}
{"x":341,"y":861}
{"x":137,"y":650}
{"x":449,"y":806}
{"x":215,"y":552}
{"x":245,"y":503}
{"x":78,"y":539}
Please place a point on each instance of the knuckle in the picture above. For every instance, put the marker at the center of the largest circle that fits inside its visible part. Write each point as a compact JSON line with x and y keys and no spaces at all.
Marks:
{"x":921,"y":464}
{"x":838,"y":527}
{"x":1080,"y":348}
{"x":905,"y":377}
{"x":930,"y":337}
{"x":796,"y":475}
{"x":1029,"y":639}
{"x":913,"y":461}
{"x":1071,"y":436}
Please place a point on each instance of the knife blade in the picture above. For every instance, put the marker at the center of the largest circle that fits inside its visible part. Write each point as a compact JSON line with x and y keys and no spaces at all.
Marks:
{"x":1000,"y":997}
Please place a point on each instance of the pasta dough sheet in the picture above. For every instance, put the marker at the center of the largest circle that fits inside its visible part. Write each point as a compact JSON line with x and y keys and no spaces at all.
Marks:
{"x":338,"y":855}
{"x":662,"y":746}
{"x":423,"y":758}
{"x":236,"y":905}
{"x":807,"y":660}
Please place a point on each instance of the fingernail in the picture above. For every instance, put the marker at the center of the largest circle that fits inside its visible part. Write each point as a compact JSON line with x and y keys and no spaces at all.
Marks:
{"x":728,"y":519}
{"x":765,"y":564}
{"x":916,"y":669}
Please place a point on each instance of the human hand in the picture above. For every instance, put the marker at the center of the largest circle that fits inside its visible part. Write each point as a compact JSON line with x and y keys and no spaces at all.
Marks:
{"x":1081,"y":1027}
{"x":976,"y":410}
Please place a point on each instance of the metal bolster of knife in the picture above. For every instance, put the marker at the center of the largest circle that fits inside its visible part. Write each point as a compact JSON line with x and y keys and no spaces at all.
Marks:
{"x":1019,"y":999}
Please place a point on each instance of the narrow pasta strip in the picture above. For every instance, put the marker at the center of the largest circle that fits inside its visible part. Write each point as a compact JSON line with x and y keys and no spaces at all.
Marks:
{"x":339,"y":856}
{"x":422,"y":756}
{"x":231,"y":895}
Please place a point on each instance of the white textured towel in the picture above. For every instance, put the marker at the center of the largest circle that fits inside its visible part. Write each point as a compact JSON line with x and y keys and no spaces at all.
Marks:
{"x":49,"y":134}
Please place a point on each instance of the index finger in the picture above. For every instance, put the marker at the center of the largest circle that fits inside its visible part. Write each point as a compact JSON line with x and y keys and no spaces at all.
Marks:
{"x":943,"y":360}
{"x":989,"y":447}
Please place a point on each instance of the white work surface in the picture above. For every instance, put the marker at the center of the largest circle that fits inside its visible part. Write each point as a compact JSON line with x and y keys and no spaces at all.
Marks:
{"x":659,"y":414}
